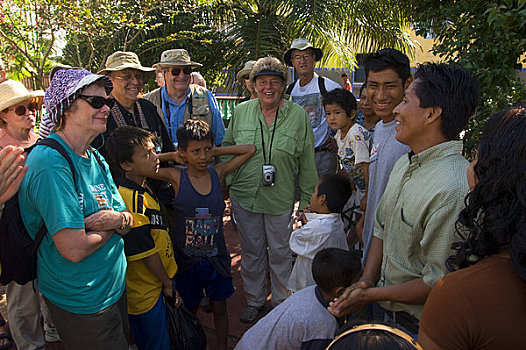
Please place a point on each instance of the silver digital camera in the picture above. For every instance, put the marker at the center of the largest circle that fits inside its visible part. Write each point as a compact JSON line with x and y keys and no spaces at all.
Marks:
{"x":269,"y":175}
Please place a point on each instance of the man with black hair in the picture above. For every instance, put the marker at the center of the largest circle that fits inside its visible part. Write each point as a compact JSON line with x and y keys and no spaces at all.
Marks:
{"x":302,"y":321}
{"x":415,"y":220}
{"x":388,"y":75}
{"x":307,"y":92}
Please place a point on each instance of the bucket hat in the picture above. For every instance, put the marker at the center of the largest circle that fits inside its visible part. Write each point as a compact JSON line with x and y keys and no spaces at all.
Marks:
{"x":176,"y":57}
{"x":245,"y":71}
{"x":302,"y":44}
{"x":13,"y":92}
{"x":66,"y":86}
{"x":121,"y":60}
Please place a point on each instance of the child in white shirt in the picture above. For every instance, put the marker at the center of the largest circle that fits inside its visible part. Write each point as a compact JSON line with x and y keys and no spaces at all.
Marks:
{"x":353,"y":145}
{"x":323,"y":228}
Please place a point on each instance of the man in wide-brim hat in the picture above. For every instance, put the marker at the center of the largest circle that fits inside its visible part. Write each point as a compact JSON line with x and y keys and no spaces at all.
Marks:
{"x":128,"y":76}
{"x":307,"y":91}
{"x":177,"y":100}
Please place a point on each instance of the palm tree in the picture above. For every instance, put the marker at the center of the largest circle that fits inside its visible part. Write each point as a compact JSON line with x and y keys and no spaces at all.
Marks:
{"x":342,"y":28}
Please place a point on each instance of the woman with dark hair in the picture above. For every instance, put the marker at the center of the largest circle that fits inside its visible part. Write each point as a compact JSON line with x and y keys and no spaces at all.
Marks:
{"x":483,"y":305}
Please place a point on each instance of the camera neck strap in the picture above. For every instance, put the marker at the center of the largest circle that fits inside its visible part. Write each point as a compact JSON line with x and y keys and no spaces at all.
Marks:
{"x":271,"y":139}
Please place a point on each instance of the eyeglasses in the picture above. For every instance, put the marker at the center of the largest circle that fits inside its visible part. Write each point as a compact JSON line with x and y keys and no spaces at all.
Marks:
{"x":176,"y":71}
{"x":246,"y":77}
{"x":273,"y":82}
{"x":305,"y":56}
{"x":129,"y":76}
{"x":97,"y":101}
{"x":21,"y":110}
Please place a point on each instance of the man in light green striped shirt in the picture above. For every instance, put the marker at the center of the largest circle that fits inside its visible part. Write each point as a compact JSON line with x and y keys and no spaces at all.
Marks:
{"x":415,"y":220}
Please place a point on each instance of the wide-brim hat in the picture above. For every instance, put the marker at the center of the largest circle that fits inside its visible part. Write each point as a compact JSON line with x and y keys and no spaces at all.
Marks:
{"x":13,"y":92}
{"x":176,"y":57}
{"x":121,"y":60}
{"x":302,"y":44}
{"x":245,"y":71}
{"x":66,"y":86}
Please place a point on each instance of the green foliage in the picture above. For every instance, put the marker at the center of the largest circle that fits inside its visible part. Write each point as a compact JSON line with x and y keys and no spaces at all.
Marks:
{"x":28,"y":31}
{"x":486,"y":37}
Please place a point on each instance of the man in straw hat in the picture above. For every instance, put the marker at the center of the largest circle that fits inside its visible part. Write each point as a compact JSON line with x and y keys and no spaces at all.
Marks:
{"x":307,"y":92}
{"x":243,"y":78}
{"x":18,"y":107}
{"x":178,"y":101}
{"x":128,"y":77}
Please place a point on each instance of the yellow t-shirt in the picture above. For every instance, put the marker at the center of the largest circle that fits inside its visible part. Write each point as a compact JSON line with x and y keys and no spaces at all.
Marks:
{"x":147,"y":236}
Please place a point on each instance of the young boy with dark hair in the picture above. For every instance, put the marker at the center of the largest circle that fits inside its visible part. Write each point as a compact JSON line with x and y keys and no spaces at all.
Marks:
{"x":200,"y":249}
{"x":323,"y":228}
{"x":353,"y":146}
{"x":147,"y":246}
{"x":302,"y":321}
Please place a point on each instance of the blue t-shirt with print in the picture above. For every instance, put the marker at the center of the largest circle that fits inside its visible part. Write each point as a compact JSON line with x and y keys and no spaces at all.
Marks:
{"x":47,"y":192}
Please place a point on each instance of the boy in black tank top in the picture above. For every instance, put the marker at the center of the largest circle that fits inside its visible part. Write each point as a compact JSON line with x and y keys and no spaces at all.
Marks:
{"x":199,"y":244}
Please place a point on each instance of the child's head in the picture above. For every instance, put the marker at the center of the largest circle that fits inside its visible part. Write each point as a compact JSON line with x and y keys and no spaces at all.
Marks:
{"x":374,"y":337}
{"x":331,"y":194}
{"x":129,"y":145}
{"x":335,"y":269}
{"x":193,"y":130}
{"x":195,"y":143}
{"x":340,"y":108}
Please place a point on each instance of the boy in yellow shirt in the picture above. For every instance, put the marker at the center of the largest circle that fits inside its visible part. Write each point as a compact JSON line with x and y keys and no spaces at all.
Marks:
{"x":148,"y":247}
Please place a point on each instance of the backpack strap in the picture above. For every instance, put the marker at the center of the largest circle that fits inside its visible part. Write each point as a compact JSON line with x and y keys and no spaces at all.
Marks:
{"x":321,"y":85}
{"x":290,"y":87}
{"x":58,"y":147}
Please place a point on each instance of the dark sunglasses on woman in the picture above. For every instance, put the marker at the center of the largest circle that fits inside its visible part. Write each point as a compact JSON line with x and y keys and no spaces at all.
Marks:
{"x":98,"y":101}
{"x":21,"y":110}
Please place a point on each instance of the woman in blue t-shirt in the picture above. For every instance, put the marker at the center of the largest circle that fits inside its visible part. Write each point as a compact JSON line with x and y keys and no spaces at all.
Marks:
{"x":81,"y":263}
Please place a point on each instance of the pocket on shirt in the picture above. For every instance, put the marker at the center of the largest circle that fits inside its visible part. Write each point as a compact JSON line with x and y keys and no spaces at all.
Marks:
{"x":405,"y":219}
{"x":245,"y":136}
{"x":286,"y":143}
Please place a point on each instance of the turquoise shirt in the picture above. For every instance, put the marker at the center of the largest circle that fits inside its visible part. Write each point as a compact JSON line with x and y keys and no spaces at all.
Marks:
{"x":47,"y":192}
{"x":292,"y":156}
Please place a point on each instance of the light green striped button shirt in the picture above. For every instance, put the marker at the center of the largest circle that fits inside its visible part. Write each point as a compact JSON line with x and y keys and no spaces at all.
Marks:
{"x":416,"y":217}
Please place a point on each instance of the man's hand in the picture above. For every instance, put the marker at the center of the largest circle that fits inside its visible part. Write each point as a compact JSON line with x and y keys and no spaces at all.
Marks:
{"x":353,"y":298}
{"x":363,"y":203}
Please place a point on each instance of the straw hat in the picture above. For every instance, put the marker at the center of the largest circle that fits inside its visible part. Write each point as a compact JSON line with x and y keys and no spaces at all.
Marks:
{"x":121,"y":60}
{"x":13,"y":92}
{"x":245,"y":71}
{"x":66,"y":86}
{"x":302,"y":44}
{"x":176,"y":57}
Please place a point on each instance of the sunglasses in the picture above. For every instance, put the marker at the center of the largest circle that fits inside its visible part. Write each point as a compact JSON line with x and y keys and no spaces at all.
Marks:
{"x":97,"y":101}
{"x":245,"y":77}
{"x":176,"y":71}
{"x":21,"y":110}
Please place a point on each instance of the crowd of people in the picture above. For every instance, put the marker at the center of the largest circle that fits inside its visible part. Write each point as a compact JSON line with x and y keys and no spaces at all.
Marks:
{"x":403,"y":243}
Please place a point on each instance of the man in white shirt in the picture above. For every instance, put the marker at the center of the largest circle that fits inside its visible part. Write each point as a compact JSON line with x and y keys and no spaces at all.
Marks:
{"x":307,"y":92}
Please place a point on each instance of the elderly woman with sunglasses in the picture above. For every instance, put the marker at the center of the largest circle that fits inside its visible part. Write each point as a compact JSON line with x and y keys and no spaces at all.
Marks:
{"x":81,"y":262}
{"x":18,"y":107}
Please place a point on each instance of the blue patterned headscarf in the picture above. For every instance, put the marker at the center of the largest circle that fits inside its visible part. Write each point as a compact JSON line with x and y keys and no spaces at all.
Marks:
{"x":66,"y":86}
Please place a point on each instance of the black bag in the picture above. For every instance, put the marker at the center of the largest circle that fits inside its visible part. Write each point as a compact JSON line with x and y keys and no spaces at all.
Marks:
{"x":185,"y":330}
{"x":18,"y":251}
